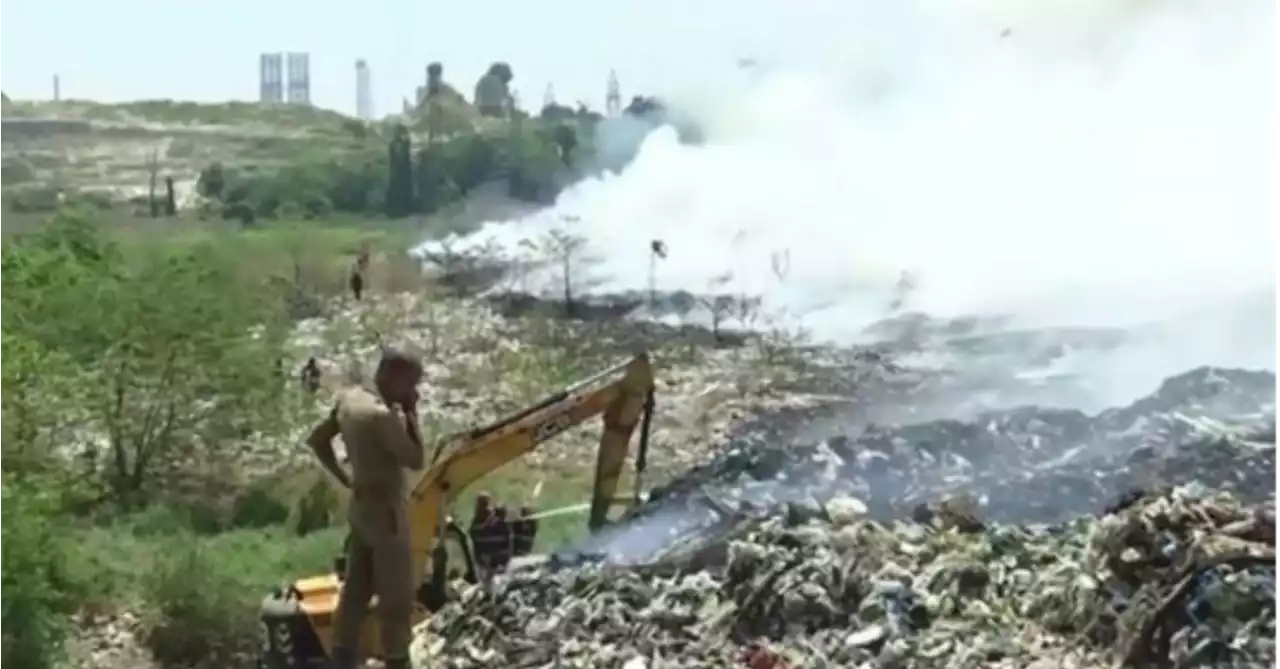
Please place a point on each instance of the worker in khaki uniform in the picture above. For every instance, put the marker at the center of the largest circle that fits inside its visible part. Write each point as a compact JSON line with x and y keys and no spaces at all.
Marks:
{"x":382,"y":437}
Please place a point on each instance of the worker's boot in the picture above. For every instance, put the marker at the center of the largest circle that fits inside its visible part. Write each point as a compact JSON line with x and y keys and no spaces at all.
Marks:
{"x":345,"y":658}
{"x":397,"y":663}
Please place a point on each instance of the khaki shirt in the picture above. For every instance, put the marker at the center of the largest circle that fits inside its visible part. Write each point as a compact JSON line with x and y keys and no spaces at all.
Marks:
{"x":378,"y":445}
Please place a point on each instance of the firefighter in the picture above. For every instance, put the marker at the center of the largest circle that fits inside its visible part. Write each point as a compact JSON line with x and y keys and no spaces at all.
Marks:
{"x":523,"y":532}
{"x":501,"y":538}
{"x":476,"y":532}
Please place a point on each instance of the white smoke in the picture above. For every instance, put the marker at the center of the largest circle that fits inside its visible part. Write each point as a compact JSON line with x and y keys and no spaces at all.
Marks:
{"x":1065,"y":162}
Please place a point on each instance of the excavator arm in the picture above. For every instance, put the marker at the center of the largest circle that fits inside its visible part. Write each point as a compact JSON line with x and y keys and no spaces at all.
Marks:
{"x":621,"y":399}
{"x":622,"y":394}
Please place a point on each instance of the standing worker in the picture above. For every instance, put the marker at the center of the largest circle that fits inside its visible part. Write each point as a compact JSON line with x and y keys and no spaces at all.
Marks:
{"x":359,"y":271}
{"x":524,"y":532}
{"x":380,"y":429}
{"x":310,"y":376}
{"x":501,"y":538}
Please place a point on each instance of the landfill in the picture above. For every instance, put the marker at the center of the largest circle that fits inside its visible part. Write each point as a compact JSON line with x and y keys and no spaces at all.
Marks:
{"x":1140,"y":536}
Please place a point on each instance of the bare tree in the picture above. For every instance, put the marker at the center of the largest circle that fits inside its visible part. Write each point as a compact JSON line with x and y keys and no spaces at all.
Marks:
{"x":522,"y":262}
{"x":718,"y":305}
{"x":460,"y":272}
{"x":747,"y":310}
{"x":780,"y":263}
{"x":567,"y":251}
{"x":902,"y":290}
{"x":562,"y":252}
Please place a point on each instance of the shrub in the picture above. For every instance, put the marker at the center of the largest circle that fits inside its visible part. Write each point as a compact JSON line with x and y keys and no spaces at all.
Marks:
{"x":37,"y":586}
{"x":257,"y":507}
{"x":201,"y":614}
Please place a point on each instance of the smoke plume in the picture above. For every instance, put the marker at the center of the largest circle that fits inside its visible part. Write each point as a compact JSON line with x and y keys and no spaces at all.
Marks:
{"x":1096,"y":163}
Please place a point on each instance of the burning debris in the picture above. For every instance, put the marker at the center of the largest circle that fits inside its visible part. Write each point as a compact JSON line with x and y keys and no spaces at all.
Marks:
{"x":1030,"y":464}
{"x":992,"y":542}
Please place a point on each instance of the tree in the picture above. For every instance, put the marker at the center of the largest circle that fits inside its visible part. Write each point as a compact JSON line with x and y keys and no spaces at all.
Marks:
{"x":386,"y":174}
{"x":643,"y":106}
{"x":212,"y":181}
{"x":718,"y":305}
{"x":170,"y":199}
{"x":567,"y":252}
{"x":435,"y":189}
{"x":535,"y":165}
{"x":399,"y":202}
{"x":42,"y":389}
{"x":493,"y":91}
{"x":468,"y":161}
{"x":566,"y":140}
{"x":170,"y":348}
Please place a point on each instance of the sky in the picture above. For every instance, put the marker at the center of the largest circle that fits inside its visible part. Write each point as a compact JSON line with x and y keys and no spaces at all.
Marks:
{"x":209,"y":51}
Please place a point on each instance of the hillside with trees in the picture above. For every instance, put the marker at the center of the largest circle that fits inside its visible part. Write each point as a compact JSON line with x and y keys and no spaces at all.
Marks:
{"x":248,"y":162}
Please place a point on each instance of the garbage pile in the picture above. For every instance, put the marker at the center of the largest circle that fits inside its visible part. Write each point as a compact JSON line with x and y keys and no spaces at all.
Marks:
{"x":1031,"y":537}
{"x":1030,"y":464}
{"x":1175,"y":574}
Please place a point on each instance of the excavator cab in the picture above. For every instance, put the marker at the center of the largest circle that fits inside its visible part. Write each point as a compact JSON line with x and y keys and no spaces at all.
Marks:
{"x":297,"y":620}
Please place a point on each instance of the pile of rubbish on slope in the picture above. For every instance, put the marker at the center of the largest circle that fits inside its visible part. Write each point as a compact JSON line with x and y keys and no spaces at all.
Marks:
{"x":1171,"y":574}
{"x":1029,"y":535}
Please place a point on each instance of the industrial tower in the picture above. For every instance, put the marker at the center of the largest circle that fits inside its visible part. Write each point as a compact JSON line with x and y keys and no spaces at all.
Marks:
{"x":299,"y":66}
{"x":364,"y":91}
{"x":613,"y":98}
{"x":270,"y":78}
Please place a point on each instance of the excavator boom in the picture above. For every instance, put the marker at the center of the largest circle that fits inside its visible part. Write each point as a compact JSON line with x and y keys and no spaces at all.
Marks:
{"x":622,"y":402}
{"x":622,"y":394}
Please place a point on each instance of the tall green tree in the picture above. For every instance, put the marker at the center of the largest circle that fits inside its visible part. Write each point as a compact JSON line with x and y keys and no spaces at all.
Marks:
{"x":400,"y":197}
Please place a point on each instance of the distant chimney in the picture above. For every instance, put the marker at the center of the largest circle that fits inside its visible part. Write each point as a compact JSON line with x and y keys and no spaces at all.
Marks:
{"x":364,"y":91}
{"x":57,"y":89}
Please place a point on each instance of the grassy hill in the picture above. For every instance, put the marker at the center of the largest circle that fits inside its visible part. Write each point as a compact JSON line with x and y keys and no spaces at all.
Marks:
{"x":114,"y":153}
{"x":112,"y":148}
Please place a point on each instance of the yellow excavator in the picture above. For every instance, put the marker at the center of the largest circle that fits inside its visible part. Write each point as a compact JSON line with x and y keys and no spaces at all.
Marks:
{"x":297,"y":621}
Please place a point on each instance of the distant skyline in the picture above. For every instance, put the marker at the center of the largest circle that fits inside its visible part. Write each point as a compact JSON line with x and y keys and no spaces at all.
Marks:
{"x":209,"y":51}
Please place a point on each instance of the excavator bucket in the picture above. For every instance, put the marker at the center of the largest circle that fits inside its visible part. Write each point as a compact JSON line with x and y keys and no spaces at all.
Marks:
{"x":297,"y":621}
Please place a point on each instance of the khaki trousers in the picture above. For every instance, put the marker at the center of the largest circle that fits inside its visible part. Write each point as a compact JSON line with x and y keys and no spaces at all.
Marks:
{"x":378,"y":563}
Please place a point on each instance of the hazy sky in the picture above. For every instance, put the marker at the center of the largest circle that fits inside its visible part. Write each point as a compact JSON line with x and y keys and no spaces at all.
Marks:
{"x":131,"y":49}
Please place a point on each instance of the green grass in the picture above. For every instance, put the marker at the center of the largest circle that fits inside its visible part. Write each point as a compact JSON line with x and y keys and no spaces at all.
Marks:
{"x":119,"y":560}
{"x":125,"y":554}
